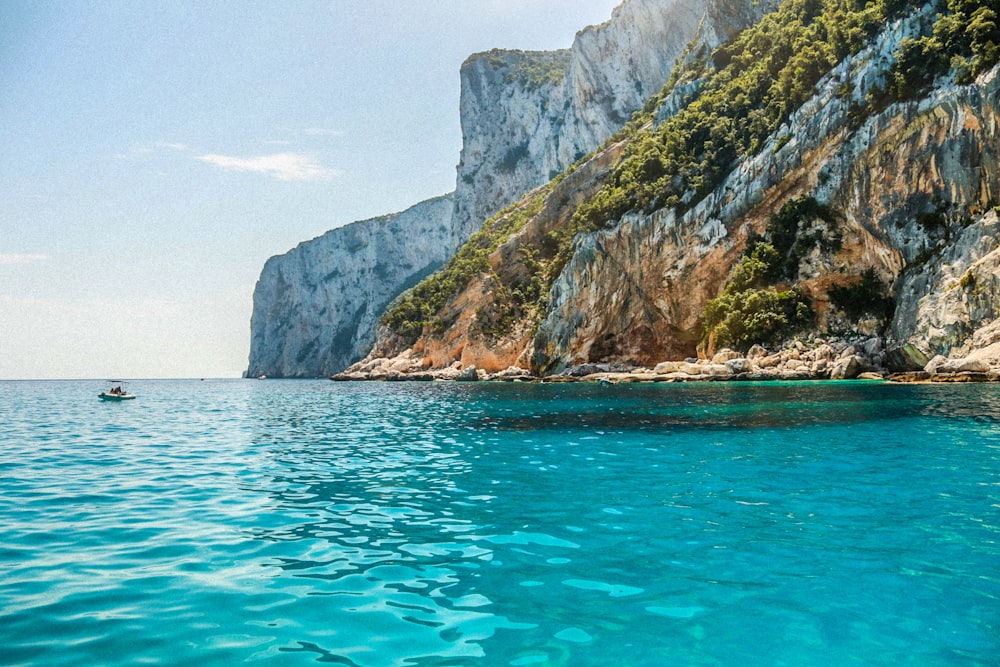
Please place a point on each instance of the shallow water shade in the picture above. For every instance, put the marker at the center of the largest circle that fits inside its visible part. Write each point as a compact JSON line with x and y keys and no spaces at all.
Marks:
{"x":304,"y":522}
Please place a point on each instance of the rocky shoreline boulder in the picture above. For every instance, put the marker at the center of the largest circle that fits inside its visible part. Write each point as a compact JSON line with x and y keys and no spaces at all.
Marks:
{"x":814,"y":358}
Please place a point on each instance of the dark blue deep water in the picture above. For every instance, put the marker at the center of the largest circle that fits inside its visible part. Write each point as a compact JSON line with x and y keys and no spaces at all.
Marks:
{"x":310,"y":522}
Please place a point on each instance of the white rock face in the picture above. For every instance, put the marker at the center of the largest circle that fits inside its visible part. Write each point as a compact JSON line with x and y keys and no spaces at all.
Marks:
{"x":510,"y":113}
{"x":652,"y":274}
{"x":952,"y":303}
{"x":315,"y":308}
{"x":520,"y":129}
{"x":526,"y":116}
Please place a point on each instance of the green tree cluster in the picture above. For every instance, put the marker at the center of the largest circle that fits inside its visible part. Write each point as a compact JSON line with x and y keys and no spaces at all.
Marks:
{"x":787,"y":232}
{"x":759,"y":79}
{"x":964,"y":39}
{"x":513,"y":299}
{"x":537,"y":69}
{"x":751,"y":310}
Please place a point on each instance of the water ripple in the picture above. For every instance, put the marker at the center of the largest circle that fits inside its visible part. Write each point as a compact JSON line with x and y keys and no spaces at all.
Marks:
{"x":300,"y":522}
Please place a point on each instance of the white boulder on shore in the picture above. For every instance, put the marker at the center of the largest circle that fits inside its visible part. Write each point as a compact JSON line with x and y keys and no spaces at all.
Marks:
{"x":812,"y":359}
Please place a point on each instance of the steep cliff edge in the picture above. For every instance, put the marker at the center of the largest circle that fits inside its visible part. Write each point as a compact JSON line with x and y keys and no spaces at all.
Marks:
{"x":526,"y":116}
{"x":316,"y":307}
{"x":644,"y":284}
{"x":899,"y":195}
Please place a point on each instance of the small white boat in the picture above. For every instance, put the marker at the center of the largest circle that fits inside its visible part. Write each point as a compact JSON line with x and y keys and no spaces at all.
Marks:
{"x":117,"y":391}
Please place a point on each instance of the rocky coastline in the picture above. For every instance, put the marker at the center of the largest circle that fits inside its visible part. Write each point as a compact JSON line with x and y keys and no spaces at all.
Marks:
{"x":526,"y":116}
{"x":812,"y":358}
{"x":880,"y":209}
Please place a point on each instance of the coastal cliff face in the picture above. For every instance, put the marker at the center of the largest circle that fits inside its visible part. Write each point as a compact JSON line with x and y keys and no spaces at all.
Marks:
{"x":315,"y":308}
{"x":527,"y":116}
{"x":634,"y":294}
{"x":907,"y":190}
{"x":644,"y":284}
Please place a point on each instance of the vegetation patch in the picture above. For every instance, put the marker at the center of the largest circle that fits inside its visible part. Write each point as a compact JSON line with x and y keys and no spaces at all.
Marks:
{"x":968,"y":282}
{"x":793,"y":232}
{"x":419,"y":308}
{"x":964,"y":40}
{"x":539,"y":69}
{"x":750,"y":309}
{"x":512,"y":301}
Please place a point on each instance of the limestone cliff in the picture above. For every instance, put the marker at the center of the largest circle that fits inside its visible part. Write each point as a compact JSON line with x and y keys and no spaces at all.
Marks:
{"x":526,"y":116}
{"x":315,"y":308}
{"x":635,"y":293}
{"x":909,"y":187}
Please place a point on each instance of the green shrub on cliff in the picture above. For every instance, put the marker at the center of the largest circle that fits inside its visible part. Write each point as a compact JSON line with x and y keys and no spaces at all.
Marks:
{"x":750,"y":309}
{"x":512,"y":298}
{"x":965,"y":39}
{"x":789,"y":231}
{"x":539,"y":69}
{"x":419,"y":308}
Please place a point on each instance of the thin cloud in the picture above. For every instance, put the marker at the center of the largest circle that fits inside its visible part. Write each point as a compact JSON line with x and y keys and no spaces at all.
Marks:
{"x":9,"y":259}
{"x":283,"y":166}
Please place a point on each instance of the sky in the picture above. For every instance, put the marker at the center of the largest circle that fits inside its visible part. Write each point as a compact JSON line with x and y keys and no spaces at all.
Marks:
{"x":153,"y":155}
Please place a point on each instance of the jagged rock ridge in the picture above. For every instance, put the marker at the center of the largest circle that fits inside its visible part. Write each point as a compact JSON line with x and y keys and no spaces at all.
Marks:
{"x":522,"y":128}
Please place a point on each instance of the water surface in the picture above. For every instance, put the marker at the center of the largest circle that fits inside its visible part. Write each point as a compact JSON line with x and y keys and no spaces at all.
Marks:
{"x":310,"y":522}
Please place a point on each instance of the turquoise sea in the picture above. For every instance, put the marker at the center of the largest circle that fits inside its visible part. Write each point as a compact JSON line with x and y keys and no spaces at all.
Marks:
{"x":312,"y":522}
